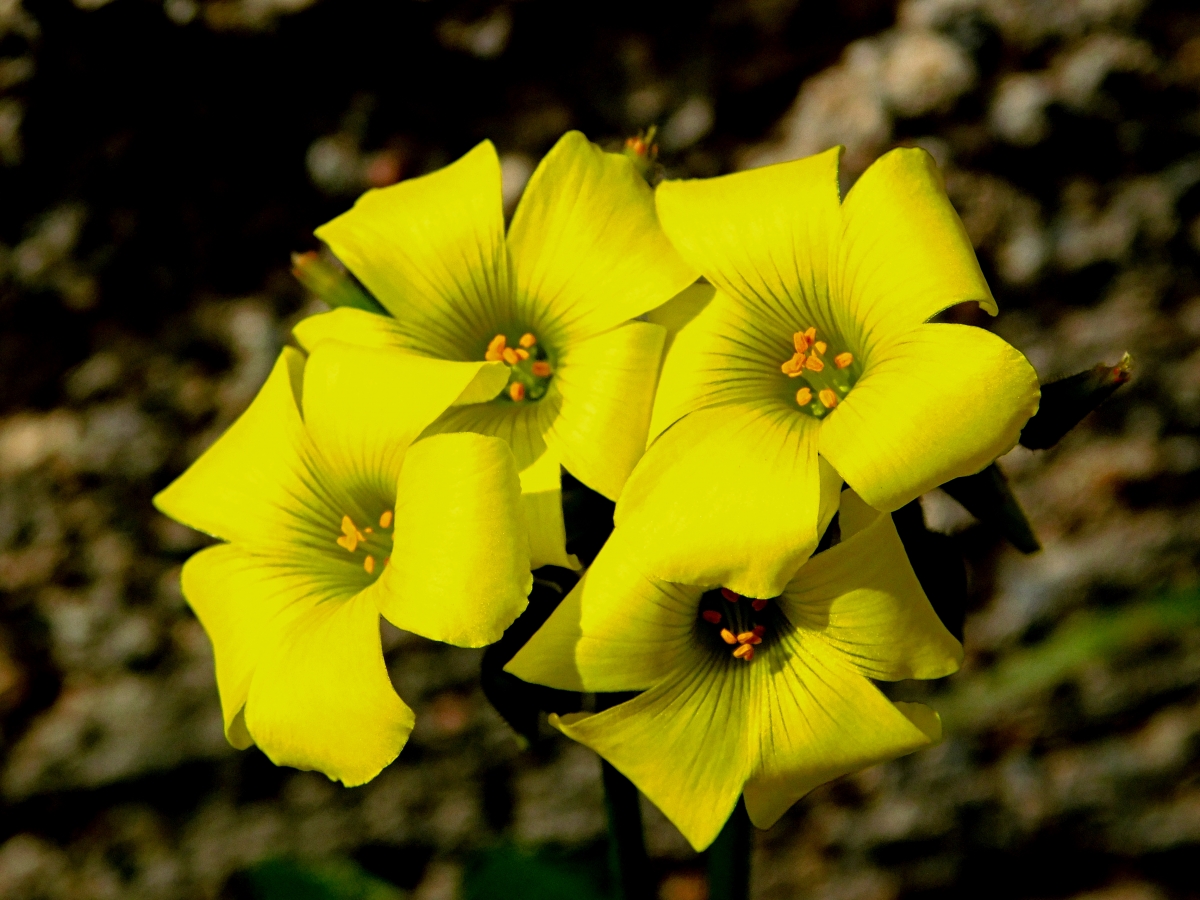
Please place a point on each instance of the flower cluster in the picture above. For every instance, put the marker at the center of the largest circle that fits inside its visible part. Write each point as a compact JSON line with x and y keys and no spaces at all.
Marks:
{"x":748,"y":366}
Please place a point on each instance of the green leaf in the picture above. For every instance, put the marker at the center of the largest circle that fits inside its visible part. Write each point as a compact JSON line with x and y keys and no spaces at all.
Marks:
{"x":342,"y":879}
{"x":513,"y":873}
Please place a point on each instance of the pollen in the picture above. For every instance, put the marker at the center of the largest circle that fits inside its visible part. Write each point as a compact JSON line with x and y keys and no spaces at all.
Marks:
{"x":842,"y":360}
{"x":369,"y":564}
{"x":711,"y":616}
{"x":814,"y":364}
{"x":527,"y":340}
{"x":745,"y":651}
{"x":804,"y":396}
{"x":828,"y":398}
{"x":351,"y":537}
{"x":794,"y":366}
{"x":727,"y":636}
{"x":509,"y":355}
{"x":729,"y":595}
{"x":748,"y":637}
{"x":385,"y":520}
{"x":541,"y":369}
{"x":821,"y":347}
{"x":516,"y":391}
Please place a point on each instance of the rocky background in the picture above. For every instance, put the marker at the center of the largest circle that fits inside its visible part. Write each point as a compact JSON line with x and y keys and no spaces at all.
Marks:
{"x":159,"y":162}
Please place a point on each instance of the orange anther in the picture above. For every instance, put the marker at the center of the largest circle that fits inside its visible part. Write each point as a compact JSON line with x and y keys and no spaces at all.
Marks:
{"x":745,"y":652}
{"x":828,"y":398}
{"x":759,"y":629}
{"x":369,"y":564}
{"x":804,"y":396}
{"x":793,"y":366}
{"x":385,"y":520}
{"x":711,"y":615}
{"x":527,"y":340}
{"x":510,"y":356}
{"x":800,"y":341}
{"x":727,"y":636}
{"x":812,"y":363}
{"x":516,"y":390}
{"x":522,"y":355}
{"x":760,"y":604}
{"x":351,"y":537}
{"x":820,"y":346}
{"x":542,"y":369}
{"x":729,"y":595}
{"x":745,"y":637}
{"x":497,"y":343}
{"x":842,"y":360}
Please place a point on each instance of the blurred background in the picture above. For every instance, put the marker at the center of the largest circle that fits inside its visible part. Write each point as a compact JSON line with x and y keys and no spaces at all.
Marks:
{"x":159,"y":161}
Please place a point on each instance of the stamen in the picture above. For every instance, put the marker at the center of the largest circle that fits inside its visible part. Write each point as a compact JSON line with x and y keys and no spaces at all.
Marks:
{"x":528,"y":340}
{"x":745,"y":651}
{"x":541,"y":369}
{"x":804,"y":396}
{"x":522,"y":355}
{"x":495,"y":348}
{"x":760,"y":630}
{"x":510,"y":356}
{"x":842,"y":360}
{"x":828,"y":398}
{"x":812,"y":363}
{"x":385,"y":520}
{"x":746,"y":637}
{"x":729,"y":595}
{"x":369,"y":564}
{"x":711,"y":616}
{"x":351,"y":537}
{"x":821,"y":347}
{"x":794,"y":366}
{"x":760,"y":604}
{"x":727,"y":636}
{"x":516,"y":391}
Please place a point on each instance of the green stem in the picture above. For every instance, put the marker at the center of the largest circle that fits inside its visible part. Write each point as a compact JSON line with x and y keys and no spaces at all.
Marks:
{"x":729,"y":858}
{"x":626,"y":843}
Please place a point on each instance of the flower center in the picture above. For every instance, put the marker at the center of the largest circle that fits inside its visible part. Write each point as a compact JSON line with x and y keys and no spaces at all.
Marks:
{"x":827,"y":374}
{"x":737,"y":625}
{"x":371,"y":544}
{"x":529,"y":370}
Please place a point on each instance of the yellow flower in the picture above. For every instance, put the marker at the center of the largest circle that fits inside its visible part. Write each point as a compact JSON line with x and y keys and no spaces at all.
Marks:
{"x":769,"y":698}
{"x":813,"y":362}
{"x":553,"y":300}
{"x":333,"y":515}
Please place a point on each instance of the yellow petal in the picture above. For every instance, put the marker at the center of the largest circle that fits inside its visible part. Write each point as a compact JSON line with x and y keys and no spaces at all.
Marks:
{"x":522,"y":427}
{"x":255,"y":480}
{"x":587,"y":249}
{"x":939,"y":402}
{"x":235,"y":594}
{"x":459,"y":571}
{"x":862,"y":598}
{"x":683,"y":743}
{"x":816,"y":719}
{"x":722,"y":355}
{"x":607,"y":387}
{"x":363,"y":406}
{"x":731,"y":496}
{"x":431,"y":250}
{"x":618,"y":630}
{"x":679,"y":311}
{"x":321,"y":699}
{"x":904,"y":254}
{"x":763,"y":236}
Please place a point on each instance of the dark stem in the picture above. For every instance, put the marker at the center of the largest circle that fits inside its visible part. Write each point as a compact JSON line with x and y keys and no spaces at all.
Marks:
{"x":729,"y":858}
{"x":626,"y":843}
